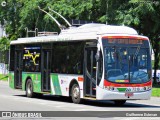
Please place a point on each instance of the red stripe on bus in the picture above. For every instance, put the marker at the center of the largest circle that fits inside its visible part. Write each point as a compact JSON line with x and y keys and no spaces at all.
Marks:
{"x":107,"y":83}
{"x":132,"y":37}
{"x":80,"y":79}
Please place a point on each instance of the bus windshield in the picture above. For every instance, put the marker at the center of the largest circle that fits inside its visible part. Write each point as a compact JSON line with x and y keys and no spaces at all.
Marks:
{"x":127,"y":64}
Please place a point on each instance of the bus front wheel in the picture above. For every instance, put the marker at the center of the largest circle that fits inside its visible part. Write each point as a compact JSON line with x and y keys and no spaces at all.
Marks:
{"x":119,"y":102}
{"x":29,"y":88}
{"x":75,"y":94}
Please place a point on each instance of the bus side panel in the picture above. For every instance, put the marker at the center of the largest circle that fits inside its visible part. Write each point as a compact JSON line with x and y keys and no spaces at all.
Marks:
{"x":55,"y":85}
{"x":11,"y":80}
{"x":60,"y":84}
{"x":36,"y":80}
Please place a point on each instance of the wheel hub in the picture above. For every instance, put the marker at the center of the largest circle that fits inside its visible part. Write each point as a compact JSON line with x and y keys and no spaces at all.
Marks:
{"x":29,"y":89}
{"x":76,"y":92}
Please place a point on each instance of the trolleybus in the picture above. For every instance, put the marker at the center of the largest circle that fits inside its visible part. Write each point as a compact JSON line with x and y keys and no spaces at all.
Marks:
{"x":93,"y":61}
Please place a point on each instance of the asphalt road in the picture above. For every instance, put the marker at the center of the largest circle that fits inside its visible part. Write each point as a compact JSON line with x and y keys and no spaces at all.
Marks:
{"x":15,"y":100}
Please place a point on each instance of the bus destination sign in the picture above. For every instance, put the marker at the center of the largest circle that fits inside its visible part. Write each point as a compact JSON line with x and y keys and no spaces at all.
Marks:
{"x":124,"y":41}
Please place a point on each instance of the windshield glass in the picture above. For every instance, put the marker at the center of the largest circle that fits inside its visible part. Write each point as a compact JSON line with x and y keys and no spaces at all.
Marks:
{"x":125,"y":64}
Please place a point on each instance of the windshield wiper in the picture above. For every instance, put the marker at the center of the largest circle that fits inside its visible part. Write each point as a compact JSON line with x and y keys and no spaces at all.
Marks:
{"x":137,"y":51}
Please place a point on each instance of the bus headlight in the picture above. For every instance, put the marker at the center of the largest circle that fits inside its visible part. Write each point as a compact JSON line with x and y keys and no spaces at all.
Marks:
{"x":110,"y":88}
{"x":147,"y":88}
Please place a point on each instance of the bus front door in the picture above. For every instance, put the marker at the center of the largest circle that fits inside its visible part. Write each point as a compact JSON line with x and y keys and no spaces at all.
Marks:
{"x":18,"y":69}
{"x":46,"y":69}
{"x":90,"y":72}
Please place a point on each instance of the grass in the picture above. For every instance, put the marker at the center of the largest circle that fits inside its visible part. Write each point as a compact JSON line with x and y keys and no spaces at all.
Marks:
{"x":4,"y":77}
{"x":156,"y":90}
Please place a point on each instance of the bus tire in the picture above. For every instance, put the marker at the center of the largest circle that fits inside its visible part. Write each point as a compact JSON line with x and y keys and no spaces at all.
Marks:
{"x":29,"y":89}
{"x":75,"y":94}
{"x":119,"y":102}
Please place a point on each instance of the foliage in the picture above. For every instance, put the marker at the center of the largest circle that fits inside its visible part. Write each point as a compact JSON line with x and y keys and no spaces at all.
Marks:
{"x":139,"y":14}
{"x":4,"y":47}
{"x":21,"y":14}
{"x":4,"y":43}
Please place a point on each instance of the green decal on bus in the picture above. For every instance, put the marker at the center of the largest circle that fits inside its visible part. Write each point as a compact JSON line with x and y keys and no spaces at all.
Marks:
{"x":36,"y":80}
{"x":121,"y":89}
{"x":11,"y":80}
{"x":56,"y":84}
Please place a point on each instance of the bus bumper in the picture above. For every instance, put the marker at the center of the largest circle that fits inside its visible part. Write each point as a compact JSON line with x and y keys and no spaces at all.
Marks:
{"x":104,"y":94}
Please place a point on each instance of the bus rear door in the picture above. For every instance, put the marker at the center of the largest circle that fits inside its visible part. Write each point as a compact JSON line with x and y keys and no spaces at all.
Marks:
{"x":18,"y":66}
{"x":46,"y":67}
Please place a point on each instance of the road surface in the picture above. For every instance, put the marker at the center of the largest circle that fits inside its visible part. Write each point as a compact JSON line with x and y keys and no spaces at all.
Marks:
{"x":15,"y":100}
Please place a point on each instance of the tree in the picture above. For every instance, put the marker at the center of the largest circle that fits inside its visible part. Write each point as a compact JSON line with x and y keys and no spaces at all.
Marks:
{"x":9,"y":16}
{"x":4,"y":47}
{"x":139,"y":14}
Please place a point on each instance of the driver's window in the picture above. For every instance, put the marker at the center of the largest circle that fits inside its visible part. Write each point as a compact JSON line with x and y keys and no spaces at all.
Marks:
{"x":112,"y":58}
{"x":143,"y":60}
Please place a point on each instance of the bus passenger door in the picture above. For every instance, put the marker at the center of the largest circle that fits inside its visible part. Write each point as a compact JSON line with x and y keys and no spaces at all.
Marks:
{"x":18,"y":68}
{"x":46,"y":69}
{"x":90,"y":72}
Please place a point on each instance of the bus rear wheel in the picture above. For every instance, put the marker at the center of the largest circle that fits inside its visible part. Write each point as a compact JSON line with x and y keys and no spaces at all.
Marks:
{"x":75,"y":94}
{"x":29,"y":89}
{"x":119,"y":102}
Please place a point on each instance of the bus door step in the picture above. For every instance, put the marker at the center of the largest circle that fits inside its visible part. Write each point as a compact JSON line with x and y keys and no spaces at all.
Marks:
{"x":90,"y":98}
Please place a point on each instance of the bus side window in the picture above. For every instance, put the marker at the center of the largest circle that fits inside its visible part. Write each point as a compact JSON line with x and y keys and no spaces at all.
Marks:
{"x":67,"y":58}
{"x":31,"y":59}
{"x":77,"y":68}
{"x":63,"y":68}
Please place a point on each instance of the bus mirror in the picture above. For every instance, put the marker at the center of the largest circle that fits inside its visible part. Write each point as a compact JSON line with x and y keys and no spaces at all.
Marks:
{"x":97,"y":57}
{"x":98,"y":47}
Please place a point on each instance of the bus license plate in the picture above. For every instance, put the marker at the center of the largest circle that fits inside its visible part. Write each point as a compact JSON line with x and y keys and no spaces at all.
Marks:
{"x":128,"y":94}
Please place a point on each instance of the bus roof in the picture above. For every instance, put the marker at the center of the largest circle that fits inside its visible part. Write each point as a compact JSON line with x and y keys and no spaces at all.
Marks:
{"x":85,"y":32}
